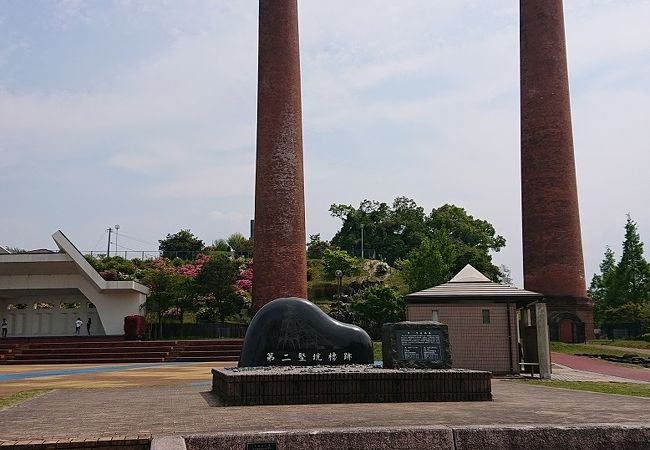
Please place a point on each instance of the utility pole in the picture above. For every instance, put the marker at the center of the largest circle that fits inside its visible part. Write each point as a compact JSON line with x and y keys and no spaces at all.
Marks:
{"x":361,"y":241}
{"x":108,"y":247}
{"x":117,"y":227}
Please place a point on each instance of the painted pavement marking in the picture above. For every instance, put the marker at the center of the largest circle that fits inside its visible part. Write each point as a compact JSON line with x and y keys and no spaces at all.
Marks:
{"x":83,"y":371}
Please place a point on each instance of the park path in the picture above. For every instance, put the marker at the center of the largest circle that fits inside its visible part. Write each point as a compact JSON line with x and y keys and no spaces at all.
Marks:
{"x":587,"y":364}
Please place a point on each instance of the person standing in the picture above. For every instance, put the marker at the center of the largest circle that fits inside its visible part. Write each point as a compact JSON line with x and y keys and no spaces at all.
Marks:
{"x":5,"y":326}
{"x":77,"y":325}
{"x":88,"y":325}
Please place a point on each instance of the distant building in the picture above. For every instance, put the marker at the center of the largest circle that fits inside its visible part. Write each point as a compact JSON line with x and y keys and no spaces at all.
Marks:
{"x":42,"y":293}
{"x":482,"y":316}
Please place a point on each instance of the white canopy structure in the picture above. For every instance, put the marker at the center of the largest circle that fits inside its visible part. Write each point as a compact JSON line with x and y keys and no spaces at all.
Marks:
{"x":43,"y":293}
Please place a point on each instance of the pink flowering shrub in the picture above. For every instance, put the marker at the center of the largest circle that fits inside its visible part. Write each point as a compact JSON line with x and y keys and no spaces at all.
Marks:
{"x":244,"y":285}
{"x":244,"y":282}
{"x":173,"y":313}
{"x":159,"y":263}
{"x":192,"y":270}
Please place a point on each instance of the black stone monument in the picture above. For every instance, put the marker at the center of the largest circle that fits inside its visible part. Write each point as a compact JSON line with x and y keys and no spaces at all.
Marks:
{"x":416,"y":345}
{"x":295,"y":332}
{"x":326,"y":361}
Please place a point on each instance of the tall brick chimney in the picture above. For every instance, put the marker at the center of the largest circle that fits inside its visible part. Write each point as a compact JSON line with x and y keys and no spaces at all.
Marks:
{"x":552,"y":243}
{"x":280,"y":264}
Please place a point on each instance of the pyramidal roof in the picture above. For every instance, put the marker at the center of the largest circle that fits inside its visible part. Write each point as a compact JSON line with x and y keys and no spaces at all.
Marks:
{"x":470,"y":284}
{"x":469,"y":275}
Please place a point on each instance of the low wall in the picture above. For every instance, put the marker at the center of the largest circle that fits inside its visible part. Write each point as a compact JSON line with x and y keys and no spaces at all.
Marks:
{"x":347,"y":384}
{"x":101,"y":443}
{"x":538,"y":437}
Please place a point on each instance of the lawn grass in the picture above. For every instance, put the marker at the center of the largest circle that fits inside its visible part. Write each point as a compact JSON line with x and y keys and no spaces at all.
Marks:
{"x":376,"y":349}
{"x":633,"y":389}
{"x":578,"y":349}
{"x":6,"y":402}
{"x":621,"y":343}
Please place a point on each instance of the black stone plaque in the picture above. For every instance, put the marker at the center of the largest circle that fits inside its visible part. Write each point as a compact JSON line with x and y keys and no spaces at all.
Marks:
{"x":419,"y":345}
{"x":295,"y":332}
{"x":262,"y":446}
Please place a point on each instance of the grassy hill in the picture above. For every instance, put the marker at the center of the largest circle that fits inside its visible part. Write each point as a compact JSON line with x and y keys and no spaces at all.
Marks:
{"x":322,"y":290}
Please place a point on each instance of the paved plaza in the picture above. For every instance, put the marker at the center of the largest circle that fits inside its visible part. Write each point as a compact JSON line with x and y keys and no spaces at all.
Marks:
{"x":190,"y":407}
{"x":14,"y":379}
{"x":93,"y":401}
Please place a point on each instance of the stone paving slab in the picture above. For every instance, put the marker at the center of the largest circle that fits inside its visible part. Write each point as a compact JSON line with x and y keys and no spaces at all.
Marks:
{"x":165,"y":410}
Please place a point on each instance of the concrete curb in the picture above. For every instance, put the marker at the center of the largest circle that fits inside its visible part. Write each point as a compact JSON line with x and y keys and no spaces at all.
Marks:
{"x":347,"y":438}
{"x":632,"y":436}
{"x":552,"y":437}
{"x":168,"y":443}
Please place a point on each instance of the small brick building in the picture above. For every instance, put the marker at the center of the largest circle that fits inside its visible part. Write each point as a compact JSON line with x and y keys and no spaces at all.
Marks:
{"x":482,"y":316}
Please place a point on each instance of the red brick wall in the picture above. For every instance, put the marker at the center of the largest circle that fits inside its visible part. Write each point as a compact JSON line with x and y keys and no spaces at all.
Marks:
{"x":581,"y":307}
{"x":475,"y":345}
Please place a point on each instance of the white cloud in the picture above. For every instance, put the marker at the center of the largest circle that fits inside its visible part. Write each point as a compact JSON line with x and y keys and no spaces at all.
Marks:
{"x":415,"y":98}
{"x":208,"y":182}
{"x":233,"y":216}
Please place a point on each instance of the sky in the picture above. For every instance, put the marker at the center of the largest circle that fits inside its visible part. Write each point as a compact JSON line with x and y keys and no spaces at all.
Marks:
{"x":142,"y":113}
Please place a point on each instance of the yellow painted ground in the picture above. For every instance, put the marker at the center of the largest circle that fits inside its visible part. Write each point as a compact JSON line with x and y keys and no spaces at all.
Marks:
{"x":4,"y":369}
{"x":180,"y":374}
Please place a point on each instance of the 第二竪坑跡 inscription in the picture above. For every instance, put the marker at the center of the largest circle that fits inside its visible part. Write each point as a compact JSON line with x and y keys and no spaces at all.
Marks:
{"x":295,"y":332}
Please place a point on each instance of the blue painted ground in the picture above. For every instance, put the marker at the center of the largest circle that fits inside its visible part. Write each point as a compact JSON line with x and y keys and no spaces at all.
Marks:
{"x":49,"y":373}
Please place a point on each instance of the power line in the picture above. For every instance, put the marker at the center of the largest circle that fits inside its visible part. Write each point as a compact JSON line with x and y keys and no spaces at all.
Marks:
{"x":130,"y":249}
{"x":100,"y":238}
{"x":136,"y":239}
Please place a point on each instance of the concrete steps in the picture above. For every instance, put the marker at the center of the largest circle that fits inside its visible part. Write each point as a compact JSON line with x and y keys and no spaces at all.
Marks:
{"x":84,"y":360}
{"x":84,"y":350}
{"x":92,"y":351}
{"x":99,"y":344}
{"x":7,"y":351}
{"x":208,"y":350}
{"x":120,"y":350}
{"x":107,"y":354}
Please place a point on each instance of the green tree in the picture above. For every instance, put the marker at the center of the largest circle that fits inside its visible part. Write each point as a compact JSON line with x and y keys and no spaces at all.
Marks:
{"x":167,"y":290}
{"x":506,"y":275}
{"x":216,"y":284}
{"x":632,"y":284}
{"x":316,"y":248}
{"x":239,"y":243}
{"x":473,"y":239}
{"x":394,"y":231}
{"x":377,"y":305}
{"x":336,"y":259}
{"x":601,"y":288}
{"x":182,"y":245}
{"x":430,"y":264}
{"x":388,"y":231}
{"x":621,"y":292}
{"x":220,"y":246}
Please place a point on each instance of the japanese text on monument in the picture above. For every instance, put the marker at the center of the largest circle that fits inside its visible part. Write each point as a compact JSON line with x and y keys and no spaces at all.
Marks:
{"x":419,"y":345}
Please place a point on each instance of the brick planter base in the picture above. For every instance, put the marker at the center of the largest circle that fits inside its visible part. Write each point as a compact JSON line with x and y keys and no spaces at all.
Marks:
{"x":347,"y":384}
